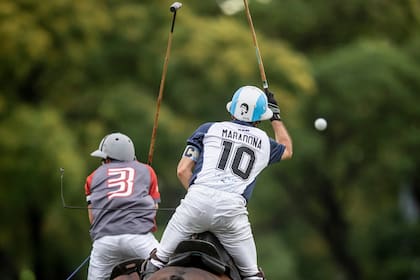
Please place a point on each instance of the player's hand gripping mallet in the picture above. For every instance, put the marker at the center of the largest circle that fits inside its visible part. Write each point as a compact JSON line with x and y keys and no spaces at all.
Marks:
{"x":257,"y":50}
{"x":174,"y":7}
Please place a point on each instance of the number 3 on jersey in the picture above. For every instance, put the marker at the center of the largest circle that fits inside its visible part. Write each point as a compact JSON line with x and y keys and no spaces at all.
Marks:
{"x":123,"y":179}
{"x":241,"y":162}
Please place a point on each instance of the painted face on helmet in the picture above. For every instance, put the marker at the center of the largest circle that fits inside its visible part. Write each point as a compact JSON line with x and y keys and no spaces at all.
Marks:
{"x":244,"y":109}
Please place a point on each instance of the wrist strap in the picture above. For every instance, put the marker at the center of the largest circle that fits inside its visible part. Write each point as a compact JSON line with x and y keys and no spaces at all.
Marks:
{"x":275,"y":117}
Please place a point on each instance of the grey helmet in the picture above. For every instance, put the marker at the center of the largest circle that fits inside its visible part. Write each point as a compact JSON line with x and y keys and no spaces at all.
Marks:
{"x":116,"y":146}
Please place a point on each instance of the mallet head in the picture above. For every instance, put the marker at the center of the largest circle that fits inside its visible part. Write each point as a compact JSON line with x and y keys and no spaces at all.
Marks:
{"x":175,"y":6}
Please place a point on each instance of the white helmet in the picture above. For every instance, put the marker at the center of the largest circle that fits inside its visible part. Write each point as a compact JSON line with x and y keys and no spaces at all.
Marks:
{"x":249,"y":104}
{"x":116,"y":146}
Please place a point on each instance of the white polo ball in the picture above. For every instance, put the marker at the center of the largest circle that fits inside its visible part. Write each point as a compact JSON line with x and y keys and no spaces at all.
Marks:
{"x":320,"y":124}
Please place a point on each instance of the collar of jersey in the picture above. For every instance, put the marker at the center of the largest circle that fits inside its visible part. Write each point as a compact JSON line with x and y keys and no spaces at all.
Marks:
{"x":242,"y":122}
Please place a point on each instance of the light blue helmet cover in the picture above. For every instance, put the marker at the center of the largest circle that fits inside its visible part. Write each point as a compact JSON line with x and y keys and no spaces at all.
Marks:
{"x":249,"y":104}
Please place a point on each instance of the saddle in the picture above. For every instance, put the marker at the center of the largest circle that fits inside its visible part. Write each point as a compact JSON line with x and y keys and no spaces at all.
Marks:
{"x":204,"y":251}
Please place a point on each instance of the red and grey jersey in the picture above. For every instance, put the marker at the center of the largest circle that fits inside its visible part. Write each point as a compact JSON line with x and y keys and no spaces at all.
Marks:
{"x":122,"y":196}
{"x":231,"y":155}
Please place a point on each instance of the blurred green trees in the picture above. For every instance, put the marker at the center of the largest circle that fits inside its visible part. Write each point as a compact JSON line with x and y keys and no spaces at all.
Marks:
{"x":345,"y":207}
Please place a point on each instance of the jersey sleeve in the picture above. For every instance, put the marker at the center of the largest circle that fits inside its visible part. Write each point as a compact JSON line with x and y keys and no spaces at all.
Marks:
{"x":196,"y":139}
{"x":276,"y":151}
{"x":87,"y":187}
{"x":154,"y":187}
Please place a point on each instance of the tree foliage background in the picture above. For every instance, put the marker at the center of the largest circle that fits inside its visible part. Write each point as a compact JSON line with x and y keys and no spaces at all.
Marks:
{"x":345,"y":207}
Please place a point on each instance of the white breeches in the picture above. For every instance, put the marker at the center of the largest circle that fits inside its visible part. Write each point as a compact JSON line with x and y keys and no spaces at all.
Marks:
{"x":108,"y":251}
{"x":222,"y":213}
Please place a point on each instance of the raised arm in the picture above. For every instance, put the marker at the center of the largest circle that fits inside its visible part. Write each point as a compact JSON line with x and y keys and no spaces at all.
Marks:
{"x":281,"y":134}
{"x":283,"y":137}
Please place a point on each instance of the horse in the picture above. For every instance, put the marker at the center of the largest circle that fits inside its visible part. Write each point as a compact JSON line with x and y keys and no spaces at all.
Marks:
{"x":185,"y":273}
{"x":129,"y":272}
{"x":201,"y":257}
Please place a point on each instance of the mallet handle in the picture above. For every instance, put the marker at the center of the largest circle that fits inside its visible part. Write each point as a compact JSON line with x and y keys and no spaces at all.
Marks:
{"x":257,"y":50}
{"x":174,"y":7}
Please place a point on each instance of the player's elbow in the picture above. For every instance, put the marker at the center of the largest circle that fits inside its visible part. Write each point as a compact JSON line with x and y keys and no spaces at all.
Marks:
{"x":184,"y":176}
{"x":179,"y":173}
{"x":288,"y":153}
{"x":182,"y":172}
